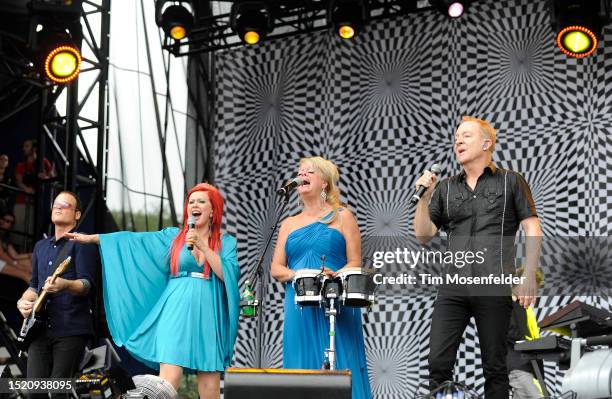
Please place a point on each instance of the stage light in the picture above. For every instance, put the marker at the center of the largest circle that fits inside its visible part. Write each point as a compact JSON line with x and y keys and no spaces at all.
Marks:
{"x":346,"y":32}
{"x":577,"y":41}
{"x":455,"y":10}
{"x":578,"y":24}
{"x":252,"y":37}
{"x":63,"y":64}
{"x":178,"y":32}
{"x":347,"y":17}
{"x":174,"y":17}
{"x":251,"y":21}
{"x":57,"y":56}
{"x":450,"y":8}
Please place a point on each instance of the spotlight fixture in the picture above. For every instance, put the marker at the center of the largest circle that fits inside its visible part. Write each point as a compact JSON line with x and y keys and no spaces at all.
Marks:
{"x":59,"y":58}
{"x":347,"y":17}
{"x":174,"y":17}
{"x":63,"y":64}
{"x":578,"y":24}
{"x":450,"y":8}
{"x":251,"y":21}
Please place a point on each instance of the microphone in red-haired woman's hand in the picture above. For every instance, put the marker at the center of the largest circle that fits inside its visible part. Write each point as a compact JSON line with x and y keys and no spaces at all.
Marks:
{"x":191,"y":225}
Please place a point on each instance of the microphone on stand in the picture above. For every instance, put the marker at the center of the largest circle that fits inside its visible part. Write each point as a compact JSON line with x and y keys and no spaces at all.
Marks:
{"x":435,"y":169}
{"x":287,"y":188}
{"x":191,"y":225}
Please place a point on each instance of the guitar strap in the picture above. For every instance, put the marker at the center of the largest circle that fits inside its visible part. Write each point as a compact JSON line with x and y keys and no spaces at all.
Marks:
{"x":61,"y":256}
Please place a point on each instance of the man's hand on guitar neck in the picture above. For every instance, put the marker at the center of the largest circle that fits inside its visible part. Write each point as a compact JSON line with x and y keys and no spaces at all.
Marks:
{"x":75,"y":287}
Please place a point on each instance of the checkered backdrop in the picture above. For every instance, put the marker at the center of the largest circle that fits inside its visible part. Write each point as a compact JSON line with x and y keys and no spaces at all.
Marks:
{"x":383,"y":107}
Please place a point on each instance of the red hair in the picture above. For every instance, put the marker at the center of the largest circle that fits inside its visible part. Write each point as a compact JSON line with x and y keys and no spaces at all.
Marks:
{"x":214,"y":240}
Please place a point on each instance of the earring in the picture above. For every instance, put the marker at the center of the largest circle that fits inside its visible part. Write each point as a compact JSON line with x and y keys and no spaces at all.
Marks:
{"x":323,"y":198}
{"x":300,"y":204}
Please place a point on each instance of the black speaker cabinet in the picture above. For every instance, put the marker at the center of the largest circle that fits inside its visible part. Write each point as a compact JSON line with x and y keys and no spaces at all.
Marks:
{"x":286,"y":383}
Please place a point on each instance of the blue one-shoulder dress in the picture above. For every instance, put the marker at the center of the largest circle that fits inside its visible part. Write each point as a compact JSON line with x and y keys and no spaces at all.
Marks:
{"x":161,"y":318}
{"x":306,"y":332}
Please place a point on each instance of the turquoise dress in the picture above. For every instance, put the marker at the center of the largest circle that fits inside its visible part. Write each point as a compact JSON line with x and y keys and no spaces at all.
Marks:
{"x":161,"y":318}
{"x":305,"y":336}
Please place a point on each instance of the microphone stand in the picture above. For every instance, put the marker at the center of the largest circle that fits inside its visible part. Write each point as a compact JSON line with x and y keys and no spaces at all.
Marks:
{"x":257,"y":277}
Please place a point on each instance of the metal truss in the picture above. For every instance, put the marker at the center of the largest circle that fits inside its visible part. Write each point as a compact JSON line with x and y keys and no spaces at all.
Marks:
{"x":60,"y":131}
{"x":291,"y":17}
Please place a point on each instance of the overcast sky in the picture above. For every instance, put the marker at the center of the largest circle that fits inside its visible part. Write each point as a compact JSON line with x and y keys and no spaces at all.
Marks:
{"x":132,"y":116}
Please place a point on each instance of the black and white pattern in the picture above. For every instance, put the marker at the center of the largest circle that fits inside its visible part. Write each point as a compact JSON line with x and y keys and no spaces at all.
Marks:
{"x":384,"y":107}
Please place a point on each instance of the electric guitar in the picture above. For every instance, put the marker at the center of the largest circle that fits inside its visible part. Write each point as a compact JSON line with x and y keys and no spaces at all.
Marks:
{"x":34,"y":324}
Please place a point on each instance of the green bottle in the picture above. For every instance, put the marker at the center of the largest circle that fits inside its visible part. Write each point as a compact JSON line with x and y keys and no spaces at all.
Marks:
{"x":248,"y":303}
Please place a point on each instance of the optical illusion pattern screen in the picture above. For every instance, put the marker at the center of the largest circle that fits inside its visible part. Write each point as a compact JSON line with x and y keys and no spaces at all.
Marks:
{"x":384,"y":107}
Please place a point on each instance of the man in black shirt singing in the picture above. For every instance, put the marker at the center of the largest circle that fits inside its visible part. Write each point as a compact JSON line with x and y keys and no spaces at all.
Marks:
{"x":480,"y":209}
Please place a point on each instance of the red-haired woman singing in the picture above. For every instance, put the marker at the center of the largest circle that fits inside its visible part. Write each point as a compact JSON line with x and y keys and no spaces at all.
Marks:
{"x":172,"y":308}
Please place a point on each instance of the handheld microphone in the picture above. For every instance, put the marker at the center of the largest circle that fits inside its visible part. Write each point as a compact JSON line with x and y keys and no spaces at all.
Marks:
{"x":191,"y":225}
{"x":286,"y":189}
{"x":435,"y":169}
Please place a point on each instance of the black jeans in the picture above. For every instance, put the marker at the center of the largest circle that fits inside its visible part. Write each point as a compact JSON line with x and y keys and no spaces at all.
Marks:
{"x":50,"y":357}
{"x":451,"y":316}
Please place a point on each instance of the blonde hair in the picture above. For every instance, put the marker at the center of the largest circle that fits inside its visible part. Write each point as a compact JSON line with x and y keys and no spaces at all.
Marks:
{"x":485,"y":127}
{"x":329,"y":174}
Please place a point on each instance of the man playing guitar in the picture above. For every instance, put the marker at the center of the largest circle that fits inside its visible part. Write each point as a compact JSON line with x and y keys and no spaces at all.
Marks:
{"x":57,"y":351}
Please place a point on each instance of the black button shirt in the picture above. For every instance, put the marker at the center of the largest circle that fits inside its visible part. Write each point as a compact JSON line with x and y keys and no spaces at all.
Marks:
{"x":68,"y":315}
{"x":478,"y":219}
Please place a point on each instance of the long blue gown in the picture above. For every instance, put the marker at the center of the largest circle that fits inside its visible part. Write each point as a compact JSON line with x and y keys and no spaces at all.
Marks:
{"x":305,"y":336}
{"x":160,"y":318}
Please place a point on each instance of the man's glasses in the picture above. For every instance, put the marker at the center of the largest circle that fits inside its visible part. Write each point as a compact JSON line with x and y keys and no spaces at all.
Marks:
{"x":8,"y":220}
{"x":62,"y":205}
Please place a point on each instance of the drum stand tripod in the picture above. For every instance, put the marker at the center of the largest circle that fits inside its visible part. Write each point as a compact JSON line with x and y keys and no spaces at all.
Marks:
{"x":331,"y":293}
{"x":329,"y":363}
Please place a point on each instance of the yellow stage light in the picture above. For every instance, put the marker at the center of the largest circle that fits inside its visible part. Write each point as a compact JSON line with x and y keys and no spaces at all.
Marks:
{"x":251,"y":37}
{"x":577,"y":41}
{"x":178,"y":32}
{"x":346,"y":31}
{"x":63,"y":64}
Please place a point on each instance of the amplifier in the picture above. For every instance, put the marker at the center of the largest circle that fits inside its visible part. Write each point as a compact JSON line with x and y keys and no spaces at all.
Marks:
{"x":286,"y":383}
